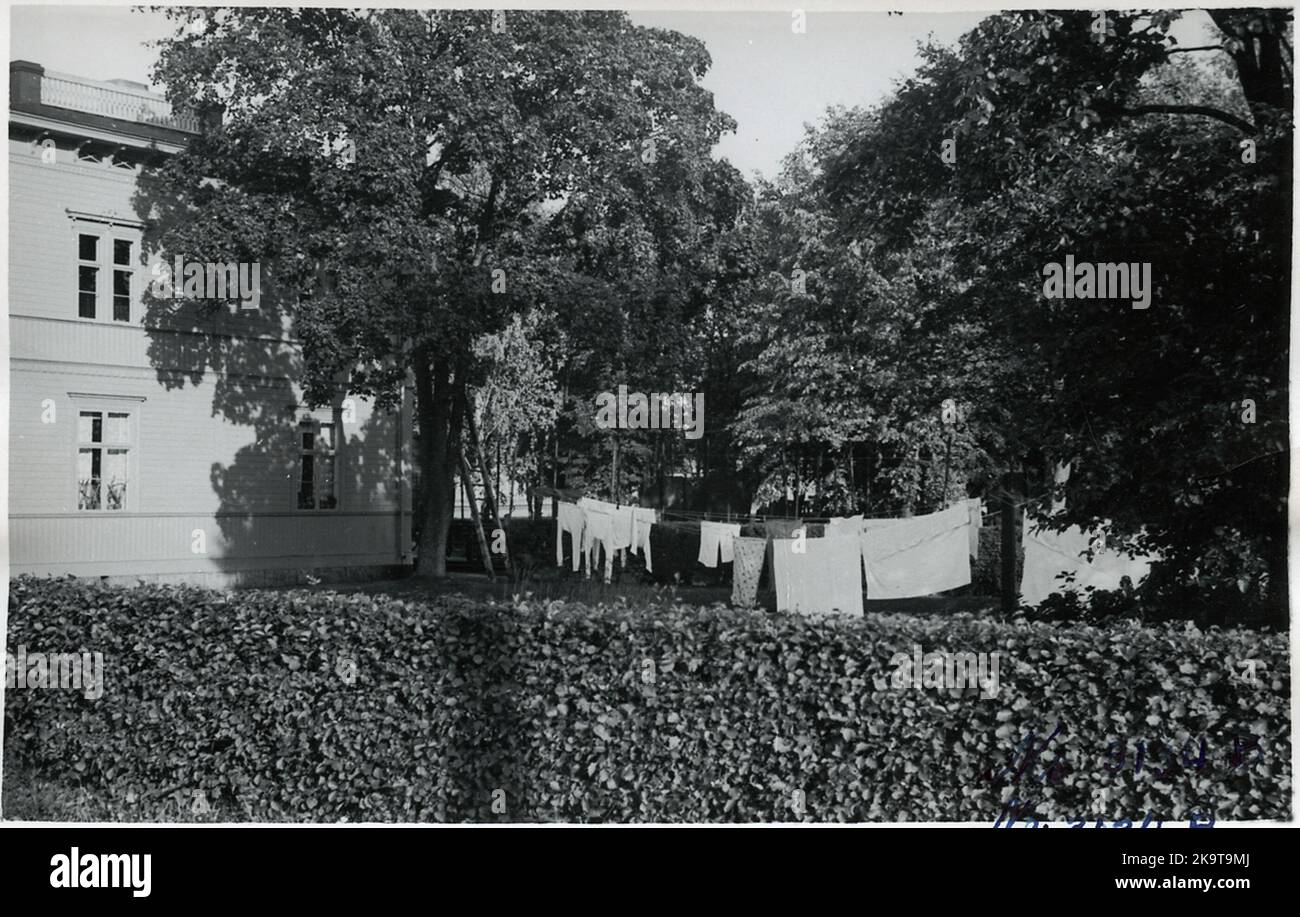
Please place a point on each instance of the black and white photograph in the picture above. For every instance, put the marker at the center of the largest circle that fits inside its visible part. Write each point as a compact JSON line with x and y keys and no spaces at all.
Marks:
{"x":687,"y":414}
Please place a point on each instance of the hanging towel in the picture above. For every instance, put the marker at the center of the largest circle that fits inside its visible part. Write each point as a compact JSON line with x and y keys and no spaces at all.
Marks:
{"x":839,"y":527}
{"x":748,"y":553}
{"x":569,"y":518}
{"x":715,"y":538}
{"x":642,"y":521}
{"x":779,"y":528}
{"x":918,"y":555}
{"x":598,"y":533}
{"x":1050,"y":554}
{"x":826,"y":578}
{"x":976,"y":520}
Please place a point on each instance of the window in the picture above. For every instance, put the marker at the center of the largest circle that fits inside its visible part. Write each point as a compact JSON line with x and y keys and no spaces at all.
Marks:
{"x":94,"y":247}
{"x":103,"y":453}
{"x":316,"y":482}
{"x":87,"y":275}
{"x":121,"y":280}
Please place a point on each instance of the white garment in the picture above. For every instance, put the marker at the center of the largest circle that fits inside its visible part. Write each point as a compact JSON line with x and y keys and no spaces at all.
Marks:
{"x":1049,"y":555}
{"x":840,"y":527}
{"x":624,"y":525}
{"x":621,"y":524}
{"x":569,"y":518}
{"x":918,"y":555}
{"x":825,"y":578}
{"x":715,"y":539}
{"x":598,"y":533}
{"x":642,"y":521}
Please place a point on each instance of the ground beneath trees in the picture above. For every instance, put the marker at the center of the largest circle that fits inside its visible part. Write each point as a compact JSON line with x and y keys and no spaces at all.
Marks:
{"x":578,"y":589}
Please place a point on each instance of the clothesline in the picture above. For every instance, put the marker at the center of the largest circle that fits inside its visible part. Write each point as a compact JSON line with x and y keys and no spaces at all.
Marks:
{"x":687,"y":515}
{"x":897,"y":558}
{"x":710,"y":516}
{"x":991,"y":508}
{"x":902,"y":558}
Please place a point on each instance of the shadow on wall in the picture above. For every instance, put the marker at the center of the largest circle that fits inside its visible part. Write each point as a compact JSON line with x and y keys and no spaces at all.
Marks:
{"x":301,"y":485}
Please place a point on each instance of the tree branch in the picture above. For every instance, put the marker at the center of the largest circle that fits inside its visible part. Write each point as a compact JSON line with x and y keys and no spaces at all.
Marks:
{"x":1204,"y":110}
{"x":1198,"y":48}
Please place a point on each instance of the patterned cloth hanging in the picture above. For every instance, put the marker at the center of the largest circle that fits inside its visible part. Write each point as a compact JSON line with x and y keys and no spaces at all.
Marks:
{"x":746,"y":570}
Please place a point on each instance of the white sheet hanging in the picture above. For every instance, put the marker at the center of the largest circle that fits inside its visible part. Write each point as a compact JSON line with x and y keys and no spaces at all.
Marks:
{"x":917,"y":555}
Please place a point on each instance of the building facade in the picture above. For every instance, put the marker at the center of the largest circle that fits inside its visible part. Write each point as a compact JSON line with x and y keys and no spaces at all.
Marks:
{"x":165,"y":444}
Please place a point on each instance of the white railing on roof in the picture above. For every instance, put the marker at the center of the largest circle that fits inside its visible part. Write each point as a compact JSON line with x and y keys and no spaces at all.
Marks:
{"x":113,"y":101}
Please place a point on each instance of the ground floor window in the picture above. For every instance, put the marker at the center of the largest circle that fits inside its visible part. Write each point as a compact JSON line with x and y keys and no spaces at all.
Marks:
{"x":316,"y":479}
{"x":103,"y":459}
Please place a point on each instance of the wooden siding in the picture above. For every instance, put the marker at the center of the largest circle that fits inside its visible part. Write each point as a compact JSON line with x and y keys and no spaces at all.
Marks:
{"x":215,"y":413}
{"x":110,"y":544}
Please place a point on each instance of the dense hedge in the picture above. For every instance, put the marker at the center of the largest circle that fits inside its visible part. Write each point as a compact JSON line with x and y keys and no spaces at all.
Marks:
{"x":664,"y":713}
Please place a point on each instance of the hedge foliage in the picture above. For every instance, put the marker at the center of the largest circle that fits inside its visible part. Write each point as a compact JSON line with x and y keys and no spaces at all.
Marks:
{"x":459,"y":711}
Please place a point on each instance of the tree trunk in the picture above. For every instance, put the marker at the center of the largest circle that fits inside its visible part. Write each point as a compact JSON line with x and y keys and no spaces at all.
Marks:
{"x":853,"y":482}
{"x":1261,"y":65}
{"x":434,"y":408}
{"x":1011,"y":515}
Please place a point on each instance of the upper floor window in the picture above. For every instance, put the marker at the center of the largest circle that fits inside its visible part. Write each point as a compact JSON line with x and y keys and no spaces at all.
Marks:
{"x":87,"y":275}
{"x":106,"y":272}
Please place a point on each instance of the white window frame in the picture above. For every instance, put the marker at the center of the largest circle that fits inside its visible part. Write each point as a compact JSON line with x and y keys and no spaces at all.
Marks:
{"x":104,"y":405}
{"x":95,"y":265}
{"x":309,"y":423}
{"x":108,"y":231}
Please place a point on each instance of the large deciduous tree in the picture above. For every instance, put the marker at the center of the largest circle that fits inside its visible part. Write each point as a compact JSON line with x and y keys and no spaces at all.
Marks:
{"x":405,"y":175}
{"x":1042,"y":135}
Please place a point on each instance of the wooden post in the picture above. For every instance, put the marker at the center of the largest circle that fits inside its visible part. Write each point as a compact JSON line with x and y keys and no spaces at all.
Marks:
{"x":613,"y":482}
{"x":555,"y":472}
{"x":473,"y":511}
{"x":1011,"y":511}
{"x":947,"y":464}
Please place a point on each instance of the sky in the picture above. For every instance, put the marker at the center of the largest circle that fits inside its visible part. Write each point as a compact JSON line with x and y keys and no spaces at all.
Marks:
{"x":771,"y":80}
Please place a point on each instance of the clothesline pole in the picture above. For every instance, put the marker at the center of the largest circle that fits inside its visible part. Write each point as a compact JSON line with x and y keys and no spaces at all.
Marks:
{"x":618,"y":499}
{"x":947,"y":465}
{"x":1012,"y":488}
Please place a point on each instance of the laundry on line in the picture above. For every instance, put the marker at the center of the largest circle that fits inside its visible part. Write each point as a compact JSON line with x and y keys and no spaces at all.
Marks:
{"x":715,"y":541}
{"x":918,"y":555}
{"x":597,"y":525}
{"x":1050,"y":556}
